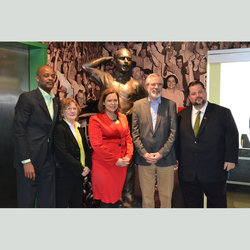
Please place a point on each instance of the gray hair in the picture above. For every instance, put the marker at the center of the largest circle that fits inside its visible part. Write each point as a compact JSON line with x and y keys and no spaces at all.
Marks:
{"x":153,"y":75}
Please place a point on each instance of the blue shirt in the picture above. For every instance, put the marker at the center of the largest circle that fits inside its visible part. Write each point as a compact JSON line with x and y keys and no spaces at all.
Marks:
{"x":154,"y":109}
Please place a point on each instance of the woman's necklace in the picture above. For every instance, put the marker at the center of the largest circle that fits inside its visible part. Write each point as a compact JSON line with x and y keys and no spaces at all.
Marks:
{"x":112,"y":117}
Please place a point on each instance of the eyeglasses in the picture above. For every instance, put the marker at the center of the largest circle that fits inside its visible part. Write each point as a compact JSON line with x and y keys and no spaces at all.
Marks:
{"x":71,"y":109}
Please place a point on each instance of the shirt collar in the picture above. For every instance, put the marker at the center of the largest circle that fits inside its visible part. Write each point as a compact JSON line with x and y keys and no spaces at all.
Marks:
{"x":157,"y":101}
{"x":46,"y":95}
{"x":77,"y":123}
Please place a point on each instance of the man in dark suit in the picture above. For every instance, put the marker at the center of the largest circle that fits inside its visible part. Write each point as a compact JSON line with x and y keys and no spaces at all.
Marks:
{"x":207,"y":148}
{"x":154,"y":130}
{"x":36,"y":113}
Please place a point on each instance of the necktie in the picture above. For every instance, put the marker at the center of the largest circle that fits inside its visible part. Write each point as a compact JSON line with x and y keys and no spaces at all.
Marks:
{"x":197,"y":124}
{"x":79,"y":141}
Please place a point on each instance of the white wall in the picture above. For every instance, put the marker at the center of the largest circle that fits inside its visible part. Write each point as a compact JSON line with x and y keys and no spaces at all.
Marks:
{"x":235,"y":92}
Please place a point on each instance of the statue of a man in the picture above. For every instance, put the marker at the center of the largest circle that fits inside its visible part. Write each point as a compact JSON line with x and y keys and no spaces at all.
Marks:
{"x":129,"y":90}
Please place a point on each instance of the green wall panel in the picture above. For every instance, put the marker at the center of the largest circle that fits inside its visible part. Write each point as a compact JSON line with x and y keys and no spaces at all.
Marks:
{"x":214,"y":83}
{"x":38,"y":57}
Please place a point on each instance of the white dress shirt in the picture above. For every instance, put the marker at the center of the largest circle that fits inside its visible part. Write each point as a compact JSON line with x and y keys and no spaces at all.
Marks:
{"x":195,"y":112}
{"x":72,"y":128}
{"x":154,"y":109}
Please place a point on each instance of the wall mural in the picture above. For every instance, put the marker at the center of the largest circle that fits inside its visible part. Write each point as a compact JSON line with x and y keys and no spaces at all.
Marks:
{"x":186,"y":60}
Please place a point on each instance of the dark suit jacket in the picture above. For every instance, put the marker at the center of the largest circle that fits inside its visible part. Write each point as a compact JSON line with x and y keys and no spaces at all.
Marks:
{"x":147,"y":140}
{"x":216,"y":143}
{"x":33,"y":129}
{"x":67,"y":151}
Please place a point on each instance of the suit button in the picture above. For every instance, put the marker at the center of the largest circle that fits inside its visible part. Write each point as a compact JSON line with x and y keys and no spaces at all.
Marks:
{"x":120,"y":138}
{"x":119,"y":145}
{"x":195,"y":142}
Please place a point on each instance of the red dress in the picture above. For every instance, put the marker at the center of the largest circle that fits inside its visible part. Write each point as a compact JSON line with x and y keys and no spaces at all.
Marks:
{"x":110,"y":142}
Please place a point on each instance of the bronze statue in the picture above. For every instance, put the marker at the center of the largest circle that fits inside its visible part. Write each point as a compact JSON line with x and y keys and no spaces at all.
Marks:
{"x":129,"y":90}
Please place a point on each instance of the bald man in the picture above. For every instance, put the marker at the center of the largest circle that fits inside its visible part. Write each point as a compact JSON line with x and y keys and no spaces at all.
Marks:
{"x":36,"y":113}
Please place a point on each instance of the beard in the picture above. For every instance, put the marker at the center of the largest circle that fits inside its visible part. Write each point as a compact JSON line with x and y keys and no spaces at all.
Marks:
{"x":155,"y":94}
{"x":199,"y":104}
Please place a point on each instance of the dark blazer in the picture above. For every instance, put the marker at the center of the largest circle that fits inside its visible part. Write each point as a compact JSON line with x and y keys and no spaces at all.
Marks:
{"x":216,"y":143}
{"x":147,"y":140}
{"x":67,"y":151}
{"x":33,"y":129}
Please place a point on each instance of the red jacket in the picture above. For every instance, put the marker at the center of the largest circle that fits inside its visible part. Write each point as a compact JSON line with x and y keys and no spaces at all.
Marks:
{"x":109,"y":141}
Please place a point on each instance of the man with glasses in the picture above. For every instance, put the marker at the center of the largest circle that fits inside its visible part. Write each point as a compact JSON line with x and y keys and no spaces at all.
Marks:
{"x":36,"y":113}
{"x":154,"y":131}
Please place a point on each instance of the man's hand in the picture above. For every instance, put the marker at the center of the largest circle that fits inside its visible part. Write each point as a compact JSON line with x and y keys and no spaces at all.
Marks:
{"x":157,"y":156}
{"x":152,"y":158}
{"x":149,"y":158}
{"x":29,"y":171}
{"x":229,"y":165}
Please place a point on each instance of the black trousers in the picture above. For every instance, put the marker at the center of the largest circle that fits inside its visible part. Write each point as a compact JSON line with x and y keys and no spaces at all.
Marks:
{"x":193,"y":193}
{"x":41,"y":189}
{"x":69,"y":189}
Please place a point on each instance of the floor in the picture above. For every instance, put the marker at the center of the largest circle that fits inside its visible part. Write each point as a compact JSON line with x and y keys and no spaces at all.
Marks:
{"x":238,"y":196}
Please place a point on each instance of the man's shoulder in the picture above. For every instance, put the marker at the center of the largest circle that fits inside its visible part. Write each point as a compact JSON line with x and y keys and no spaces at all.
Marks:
{"x":29,"y":94}
{"x":218,"y":108}
{"x":56,"y":99}
{"x":167,"y":101}
{"x":184,"y":111}
{"x":141,"y":101}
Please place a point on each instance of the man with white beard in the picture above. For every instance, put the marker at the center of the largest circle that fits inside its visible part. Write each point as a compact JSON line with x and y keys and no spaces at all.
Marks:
{"x":154,"y":132}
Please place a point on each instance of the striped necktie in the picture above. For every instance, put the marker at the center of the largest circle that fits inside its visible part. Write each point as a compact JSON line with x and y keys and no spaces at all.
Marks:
{"x":79,"y":141}
{"x":197,"y":124}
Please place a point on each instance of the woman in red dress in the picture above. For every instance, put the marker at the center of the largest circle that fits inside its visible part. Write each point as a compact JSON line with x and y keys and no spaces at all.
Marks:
{"x":112,"y":145}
